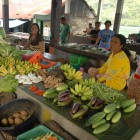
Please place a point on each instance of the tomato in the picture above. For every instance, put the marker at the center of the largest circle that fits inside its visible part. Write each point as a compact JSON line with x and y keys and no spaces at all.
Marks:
{"x":33,"y":88}
{"x":53,"y":138}
{"x":39,"y":92}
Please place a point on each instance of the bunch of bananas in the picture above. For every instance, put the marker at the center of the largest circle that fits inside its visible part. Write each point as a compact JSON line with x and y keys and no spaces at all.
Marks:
{"x":83,"y":91}
{"x":65,"y":67}
{"x":88,"y":82}
{"x":72,"y":74}
{"x":9,"y":65}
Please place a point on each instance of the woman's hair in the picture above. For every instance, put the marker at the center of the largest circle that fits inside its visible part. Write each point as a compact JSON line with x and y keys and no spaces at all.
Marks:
{"x":35,"y":24}
{"x":108,"y":21}
{"x":123,"y":42}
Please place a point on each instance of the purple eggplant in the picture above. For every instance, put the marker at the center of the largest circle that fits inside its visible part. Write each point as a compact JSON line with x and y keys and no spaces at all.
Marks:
{"x":99,"y":102}
{"x":64,"y":98}
{"x":63,"y":94}
{"x":93,"y":100}
{"x":75,"y":107}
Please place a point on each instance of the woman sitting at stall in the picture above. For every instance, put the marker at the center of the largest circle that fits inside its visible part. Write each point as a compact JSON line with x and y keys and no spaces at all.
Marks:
{"x":115,"y":72}
{"x":35,"y":41}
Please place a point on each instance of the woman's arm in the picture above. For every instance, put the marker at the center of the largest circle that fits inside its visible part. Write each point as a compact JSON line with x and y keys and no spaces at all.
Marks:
{"x":27,"y":45}
{"x":42,"y":47}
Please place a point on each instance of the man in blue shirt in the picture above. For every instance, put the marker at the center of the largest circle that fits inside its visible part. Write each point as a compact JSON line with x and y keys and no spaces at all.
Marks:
{"x":105,"y":36}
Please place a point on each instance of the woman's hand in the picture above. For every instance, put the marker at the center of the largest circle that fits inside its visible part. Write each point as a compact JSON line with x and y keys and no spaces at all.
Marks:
{"x":93,"y":72}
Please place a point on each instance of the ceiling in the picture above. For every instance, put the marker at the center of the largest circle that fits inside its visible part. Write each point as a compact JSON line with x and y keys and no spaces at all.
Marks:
{"x":25,"y":9}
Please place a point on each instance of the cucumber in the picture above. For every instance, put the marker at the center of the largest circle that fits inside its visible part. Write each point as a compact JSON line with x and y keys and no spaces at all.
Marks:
{"x":130,"y":108}
{"x":116,"y":117}
{"x":110,"y":107}
{"x":110,"y":115}
{"x":62,"y":87}
{"x":95,"y":118}
{"x":51,"y":96}
{"x":96,"y":124}
{"x":127,"y":103}
{"x":50,"y":91}
{"x":101,"y":128}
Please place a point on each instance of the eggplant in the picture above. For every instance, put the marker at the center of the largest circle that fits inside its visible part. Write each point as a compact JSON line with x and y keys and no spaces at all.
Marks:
{"x":93,"y":100}
{"x":63,"y":94}
{"x":99,"y":102}
{"x":75,"y":107}
{"x":64,"y":98}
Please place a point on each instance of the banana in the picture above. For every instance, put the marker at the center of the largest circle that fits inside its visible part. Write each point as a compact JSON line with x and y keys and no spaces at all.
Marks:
{"x":73,"y":91}
{"x":88,"y":92}
{"x":77,"y":88}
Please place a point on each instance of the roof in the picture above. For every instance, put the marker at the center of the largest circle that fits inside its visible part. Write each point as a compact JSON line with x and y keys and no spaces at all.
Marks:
{"x":25,"y":9}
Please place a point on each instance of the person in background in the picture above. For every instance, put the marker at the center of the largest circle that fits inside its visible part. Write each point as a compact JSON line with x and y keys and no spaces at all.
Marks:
{"x":105,"y":36}
{"x":115,"y":72}
{"x":35,"y":41}
{"x":138,"y":37}
{"x":2,"y":33}
{"x":64,"y":31}
{"x":88,"y":30}
{"x":94,"y":32}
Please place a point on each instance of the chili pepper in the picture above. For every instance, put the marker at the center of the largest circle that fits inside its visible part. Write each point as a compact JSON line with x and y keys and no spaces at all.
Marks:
{"x":53,"y":138}
{"x":39,"y":92}
{"x":33,"y":88}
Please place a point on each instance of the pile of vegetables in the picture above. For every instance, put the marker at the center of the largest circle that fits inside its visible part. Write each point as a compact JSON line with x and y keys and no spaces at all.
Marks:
{"x":107,"y":94}
{"x":10,"y":51}
{"x":8,"y":84}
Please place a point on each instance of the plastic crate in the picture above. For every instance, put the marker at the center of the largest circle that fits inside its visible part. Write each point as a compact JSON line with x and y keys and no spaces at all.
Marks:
{"x":78,"y":59}
{"x":36,"y":132}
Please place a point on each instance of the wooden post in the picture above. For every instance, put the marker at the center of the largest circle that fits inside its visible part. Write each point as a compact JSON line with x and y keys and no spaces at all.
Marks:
{"x":118,"y":16}
{"x":5,"y":14}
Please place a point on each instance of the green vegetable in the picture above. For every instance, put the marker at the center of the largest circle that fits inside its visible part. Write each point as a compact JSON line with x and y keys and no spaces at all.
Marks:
{"x":10,"y":51}
{"x":96,"y":124}
{"x":110,"y":107}
{"x":101,"y":128}
{"x":116,"y":117}
{"x":95,"y":118}
{"x":110,"y":115}
{"x":8,"y":84}
{"x":127,"y":103}
{"x":107,"y":94}
{"x":130,"y":108}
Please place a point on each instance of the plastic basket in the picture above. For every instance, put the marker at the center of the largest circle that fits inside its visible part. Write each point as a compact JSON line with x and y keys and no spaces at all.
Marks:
{"x":78,"y":59}
{"x":36,"y":132}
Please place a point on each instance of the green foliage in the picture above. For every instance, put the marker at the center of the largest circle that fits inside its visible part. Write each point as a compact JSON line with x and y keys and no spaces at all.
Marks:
{"x":130,"y":15}
{"x":8,"y":84}
{"x":10,"y":51}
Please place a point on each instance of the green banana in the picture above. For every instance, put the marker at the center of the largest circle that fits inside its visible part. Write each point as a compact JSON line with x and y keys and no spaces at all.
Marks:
{"x":50,"y":91}
{"x":62,"y":87}
{"x":51,"y":96}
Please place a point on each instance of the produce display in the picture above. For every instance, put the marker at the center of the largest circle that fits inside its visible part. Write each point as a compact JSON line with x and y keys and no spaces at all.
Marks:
{"x":8,"y":84}
{"x":15,"y":119}
{"x":64,"y":86}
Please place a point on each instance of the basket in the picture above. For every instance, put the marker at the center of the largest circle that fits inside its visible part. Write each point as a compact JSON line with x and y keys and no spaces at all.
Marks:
{"x":36,"y":132}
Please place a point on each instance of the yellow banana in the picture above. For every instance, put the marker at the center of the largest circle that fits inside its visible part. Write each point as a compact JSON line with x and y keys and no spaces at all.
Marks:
{"x":73,"y":91}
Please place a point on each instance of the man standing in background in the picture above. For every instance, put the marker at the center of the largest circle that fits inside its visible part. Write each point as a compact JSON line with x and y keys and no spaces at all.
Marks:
{"x":64,"y":31}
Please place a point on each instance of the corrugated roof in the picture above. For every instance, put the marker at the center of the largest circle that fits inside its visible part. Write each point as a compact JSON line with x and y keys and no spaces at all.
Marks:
{"x":25,"y":9}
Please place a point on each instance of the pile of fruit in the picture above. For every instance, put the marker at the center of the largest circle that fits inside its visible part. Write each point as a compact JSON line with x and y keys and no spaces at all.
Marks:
{"x":15,"y":119}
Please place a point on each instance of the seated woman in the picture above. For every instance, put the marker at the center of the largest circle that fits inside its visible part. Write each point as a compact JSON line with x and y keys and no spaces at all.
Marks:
{"x":115,"y":72}
{"x":35,"y":41}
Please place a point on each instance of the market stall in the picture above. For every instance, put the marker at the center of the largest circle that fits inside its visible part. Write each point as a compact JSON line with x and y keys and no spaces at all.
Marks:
{"x":84,"y":107}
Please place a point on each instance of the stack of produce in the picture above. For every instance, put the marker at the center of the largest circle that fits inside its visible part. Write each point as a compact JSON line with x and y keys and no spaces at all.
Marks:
{"x":54,"y":78}
{"x":84,"y":92}
{"x":8,"y":65}
{"x":8,"y":84}
{"x":107,"y":94}
{"x":10,"y":51}
{"x":112,"y":112}
{"x":71,"y":73}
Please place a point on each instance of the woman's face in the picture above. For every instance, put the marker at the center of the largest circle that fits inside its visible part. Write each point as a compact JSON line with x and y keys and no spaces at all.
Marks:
{"x":34,"y":29}
{"x":115,"y":45}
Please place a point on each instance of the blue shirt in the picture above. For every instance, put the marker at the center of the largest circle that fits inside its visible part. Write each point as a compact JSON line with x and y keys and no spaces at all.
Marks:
{"x":105,"y":38}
